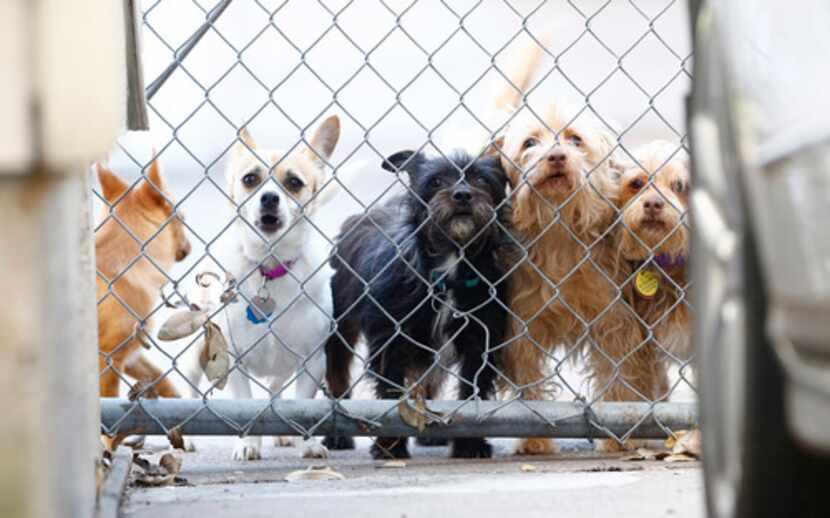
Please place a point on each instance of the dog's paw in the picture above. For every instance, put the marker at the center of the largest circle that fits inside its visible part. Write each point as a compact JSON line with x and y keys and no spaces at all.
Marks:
{"x":314,"y":450}
{"x":189,"y":444}
{"x":475,"y":448}
{"x":338,"y":442}
{"x":246,"y":451}
{"x":432,"y":441}
{"x":614,"y":446}
{"x":386,"y":448}
{"x":284,"y":441}
{"x":536,"y":446}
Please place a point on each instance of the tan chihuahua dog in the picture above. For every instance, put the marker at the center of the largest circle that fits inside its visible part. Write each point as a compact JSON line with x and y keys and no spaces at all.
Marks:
{"x":129,"y":283}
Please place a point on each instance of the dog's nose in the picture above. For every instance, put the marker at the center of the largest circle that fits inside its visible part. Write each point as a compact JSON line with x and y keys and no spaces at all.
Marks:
{"x":462,"y":195}
{"x":653,"y":206}
{"x":557,"y":158}
{"x":183,"y":251}
{"x":269,"y":200}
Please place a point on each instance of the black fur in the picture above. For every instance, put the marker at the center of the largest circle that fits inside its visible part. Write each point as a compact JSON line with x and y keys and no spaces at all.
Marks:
{"x":399,"y":249}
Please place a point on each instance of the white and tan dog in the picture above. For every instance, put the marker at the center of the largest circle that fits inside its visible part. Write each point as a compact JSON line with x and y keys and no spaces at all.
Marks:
{"x":279,"y":325}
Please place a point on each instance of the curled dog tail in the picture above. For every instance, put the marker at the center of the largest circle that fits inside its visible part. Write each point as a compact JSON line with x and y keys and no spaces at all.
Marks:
{"x":519,"y":68}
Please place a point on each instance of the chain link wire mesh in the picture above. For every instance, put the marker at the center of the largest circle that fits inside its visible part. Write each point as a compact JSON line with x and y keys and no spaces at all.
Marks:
{"x":417,"y":75}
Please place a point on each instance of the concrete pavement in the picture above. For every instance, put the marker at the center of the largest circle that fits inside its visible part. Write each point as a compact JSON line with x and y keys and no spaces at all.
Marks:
{"x":577,"y":483}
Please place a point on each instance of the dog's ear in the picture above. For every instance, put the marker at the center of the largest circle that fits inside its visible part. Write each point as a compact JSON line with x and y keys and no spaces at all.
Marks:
{"x":154,"y":184}
{"x":617,"y":165}
{"x":244,"y":143}
{"x":496,"y":147}
{"x":324,"y":140}
{"x":408,"y":161}
{"x":112,"y":186}
{"x":684,"y":160}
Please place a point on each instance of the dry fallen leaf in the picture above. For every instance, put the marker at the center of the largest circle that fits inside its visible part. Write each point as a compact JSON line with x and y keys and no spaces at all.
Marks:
{"x":393,"y":464}
{"x":527,"y":468}
{"x":165,"y":473}
{"x":679,"y":457}
{"x":214,"y":357}
{"x":171,"y":463}
{"x":647,"y":454}
{"x":182,"y":324}
{"x":135,"y":442}
{"x":103,"y":466}
{"x":419,"y":416}
{"x":112,"y":443}
{"x":175,"y":438}
{"x":687,"y":442}
{"x":314,"y":473}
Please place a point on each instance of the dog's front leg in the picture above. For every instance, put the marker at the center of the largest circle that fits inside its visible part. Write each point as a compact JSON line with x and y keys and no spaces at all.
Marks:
{"x":248,"y":447}
{"x":388,"y":364}
{"x":477,"y":379}
{"x":311,"y":378}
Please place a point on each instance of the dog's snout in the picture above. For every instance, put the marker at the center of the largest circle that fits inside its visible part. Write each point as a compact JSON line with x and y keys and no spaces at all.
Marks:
{"x":653,"y":205}
{"x":462,"y":195}
{"x":183,"y":251}
{"x":270,"y":200}
{"x":557,"y":158}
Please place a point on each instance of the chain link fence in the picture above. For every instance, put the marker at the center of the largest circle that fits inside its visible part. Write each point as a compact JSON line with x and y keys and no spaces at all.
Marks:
{"x":439,"y":219}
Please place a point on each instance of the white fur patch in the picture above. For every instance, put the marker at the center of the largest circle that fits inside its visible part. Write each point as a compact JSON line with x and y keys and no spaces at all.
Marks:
{"x":461,"y":228}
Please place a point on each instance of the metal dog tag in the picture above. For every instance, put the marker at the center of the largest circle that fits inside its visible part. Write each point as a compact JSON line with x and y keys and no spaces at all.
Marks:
{"x":260,"y":309}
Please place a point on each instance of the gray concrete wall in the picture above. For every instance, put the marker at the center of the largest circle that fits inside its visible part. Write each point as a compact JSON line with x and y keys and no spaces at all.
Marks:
{"x":48,"y":376}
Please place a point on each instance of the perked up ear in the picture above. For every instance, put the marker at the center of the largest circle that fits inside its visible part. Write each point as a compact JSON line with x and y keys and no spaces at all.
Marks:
{"x":154,"y":185}
{"x":112,"y":186}
{"x":495,"y":148}
{"x":324,"y":140}
{"x":408,"y":161}
{"x":246,"y":141}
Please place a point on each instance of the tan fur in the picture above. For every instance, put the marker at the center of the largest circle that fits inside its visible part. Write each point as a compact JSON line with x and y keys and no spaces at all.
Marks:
{"x":564,"y":216}
{"x":666,"y":315}
{"x":135,"y":285}
{"x":521,"y":64}
{"x":305,"y":163}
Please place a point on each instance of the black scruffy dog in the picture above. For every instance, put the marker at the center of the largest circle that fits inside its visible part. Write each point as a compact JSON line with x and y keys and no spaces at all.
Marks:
{"x":432,"y":261}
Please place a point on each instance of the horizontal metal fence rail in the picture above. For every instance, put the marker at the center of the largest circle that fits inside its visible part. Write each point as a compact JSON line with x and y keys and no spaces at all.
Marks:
{"x":380,"y":417}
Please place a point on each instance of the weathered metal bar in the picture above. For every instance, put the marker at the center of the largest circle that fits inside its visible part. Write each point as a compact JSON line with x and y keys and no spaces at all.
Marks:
{"x":185,"y":49}
{"x":485,"y":419}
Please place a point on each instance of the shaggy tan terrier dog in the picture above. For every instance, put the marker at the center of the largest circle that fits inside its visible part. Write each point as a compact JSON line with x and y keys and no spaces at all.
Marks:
{"x":566,"y":289}
{"x":654,"y":240}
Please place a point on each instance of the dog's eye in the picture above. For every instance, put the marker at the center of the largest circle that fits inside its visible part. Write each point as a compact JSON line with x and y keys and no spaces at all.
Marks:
{"x":679,"y":187}
{"x":293,"y":183}
{"x":436,"y":181}
{"x":530,"y":142}
{"x":575,"y":139}
{"x":480,"y":180}
{"x":636,"y":184}
{"x":250,"y":180}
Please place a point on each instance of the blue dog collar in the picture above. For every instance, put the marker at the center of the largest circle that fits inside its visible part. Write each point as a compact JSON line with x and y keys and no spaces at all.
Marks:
{"x":469,"y":282}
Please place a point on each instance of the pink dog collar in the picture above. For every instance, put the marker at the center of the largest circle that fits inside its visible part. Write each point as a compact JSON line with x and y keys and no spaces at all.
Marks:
{"x":277,"y":271}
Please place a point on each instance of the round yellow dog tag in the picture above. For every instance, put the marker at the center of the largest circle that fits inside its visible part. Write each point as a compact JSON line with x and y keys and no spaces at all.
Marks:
{"x":647,"y":283}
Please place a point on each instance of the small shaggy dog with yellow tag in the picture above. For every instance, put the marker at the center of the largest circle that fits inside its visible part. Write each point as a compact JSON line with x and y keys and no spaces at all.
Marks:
{"x":654,"y":240}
